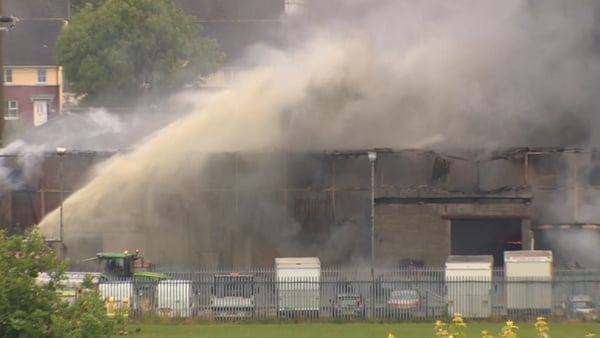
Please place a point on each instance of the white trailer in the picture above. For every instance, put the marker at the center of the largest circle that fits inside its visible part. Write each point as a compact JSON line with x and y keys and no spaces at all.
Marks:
{"x":175,"y":298}
{"x":119,"y":290}
{"x":469,"y":285}
{"x":298,"y":289}
{"x":528,"y":282}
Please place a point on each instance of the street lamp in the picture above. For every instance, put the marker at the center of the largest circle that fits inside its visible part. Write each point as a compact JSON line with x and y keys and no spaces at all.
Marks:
{"x":10,"y":20}
{"x":372,"y":155}
{"x":60,"y":151}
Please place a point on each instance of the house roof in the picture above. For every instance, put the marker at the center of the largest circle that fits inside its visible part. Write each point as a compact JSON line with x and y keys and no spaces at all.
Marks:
{"x":235,"y":38}
{"x":31,"y":43}
{"x":233,"y":9}
{"x":237,"y":25}
{"x":38,"y":9}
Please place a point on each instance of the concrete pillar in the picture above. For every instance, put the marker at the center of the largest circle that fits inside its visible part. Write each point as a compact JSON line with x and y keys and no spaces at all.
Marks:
{"x":527,"y":238}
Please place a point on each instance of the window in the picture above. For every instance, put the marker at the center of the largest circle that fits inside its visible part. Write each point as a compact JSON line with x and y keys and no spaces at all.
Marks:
{"x":41,"y":76}
{"x":8,"y":76}
{"x":12,"y":110}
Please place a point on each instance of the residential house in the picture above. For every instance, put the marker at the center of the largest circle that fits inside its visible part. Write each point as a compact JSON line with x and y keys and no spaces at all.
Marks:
{"x":33,"y":82}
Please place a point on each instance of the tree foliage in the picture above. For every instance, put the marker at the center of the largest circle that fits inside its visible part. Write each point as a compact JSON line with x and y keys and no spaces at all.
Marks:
{"x":30,"y":308}
{"x":78,"y":5}
{"x":85,"y":318}
{"x":123,"y":50}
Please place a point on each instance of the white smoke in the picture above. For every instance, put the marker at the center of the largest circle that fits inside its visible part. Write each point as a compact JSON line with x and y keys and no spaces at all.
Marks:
{"x":359,"y":74}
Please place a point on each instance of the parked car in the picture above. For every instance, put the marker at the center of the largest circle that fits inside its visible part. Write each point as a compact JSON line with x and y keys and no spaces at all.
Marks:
{"x":581,"y":306}
{"x":403,"y":304}
{"x":349,"y":305}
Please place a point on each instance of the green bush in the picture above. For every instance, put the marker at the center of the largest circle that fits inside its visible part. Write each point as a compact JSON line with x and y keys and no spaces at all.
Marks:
{"x":84,"y":318}
{"x":30,"y":308}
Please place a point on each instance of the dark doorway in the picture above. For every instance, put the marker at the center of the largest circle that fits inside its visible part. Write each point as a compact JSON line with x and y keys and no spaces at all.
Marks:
{"x":485,"y":237}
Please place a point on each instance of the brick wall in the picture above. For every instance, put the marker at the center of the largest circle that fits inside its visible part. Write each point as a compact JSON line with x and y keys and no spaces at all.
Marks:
{"x":421,"y":231}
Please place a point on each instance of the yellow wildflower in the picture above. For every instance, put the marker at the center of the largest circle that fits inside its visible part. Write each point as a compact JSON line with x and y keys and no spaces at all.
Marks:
{"x":486,"y":334}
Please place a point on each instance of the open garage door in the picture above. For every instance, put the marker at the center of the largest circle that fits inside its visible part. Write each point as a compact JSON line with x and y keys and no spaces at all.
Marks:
{"x":485,"y":237}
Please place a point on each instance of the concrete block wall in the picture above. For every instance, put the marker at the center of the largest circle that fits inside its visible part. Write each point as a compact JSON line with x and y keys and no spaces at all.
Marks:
{"x":413,"y":231}
{"x":422,"y":231}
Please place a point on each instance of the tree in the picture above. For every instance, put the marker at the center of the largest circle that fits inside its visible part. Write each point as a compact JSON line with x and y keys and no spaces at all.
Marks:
{"x":30,"y":308}
{"x":124,"y":50}
{"x":78,"y":5}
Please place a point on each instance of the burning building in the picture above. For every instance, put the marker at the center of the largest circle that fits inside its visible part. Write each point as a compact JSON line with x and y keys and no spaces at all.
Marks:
{"x":482,"y":115}
{"x":245,"y":209}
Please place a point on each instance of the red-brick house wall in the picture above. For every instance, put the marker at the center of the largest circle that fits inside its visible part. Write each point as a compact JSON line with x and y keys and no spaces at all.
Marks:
{"x":24,"y":95}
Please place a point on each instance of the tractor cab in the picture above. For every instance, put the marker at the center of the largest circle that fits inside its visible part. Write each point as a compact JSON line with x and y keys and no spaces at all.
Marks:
{"x":126,"y":265}
{"x":117,"y":265}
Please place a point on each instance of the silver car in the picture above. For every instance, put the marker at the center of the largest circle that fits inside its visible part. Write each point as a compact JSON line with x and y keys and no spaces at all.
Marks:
{"x":403,"y":304}
{"x":581,"y":307}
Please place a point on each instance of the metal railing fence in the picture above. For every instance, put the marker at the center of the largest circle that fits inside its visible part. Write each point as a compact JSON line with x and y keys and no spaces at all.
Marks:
{"x":351,"y":294}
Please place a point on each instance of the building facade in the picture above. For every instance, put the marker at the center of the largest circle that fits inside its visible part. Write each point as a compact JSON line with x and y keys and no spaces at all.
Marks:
{"x":33,"y":93}
{"x":34,"y":84}
{"x":246,"y":209}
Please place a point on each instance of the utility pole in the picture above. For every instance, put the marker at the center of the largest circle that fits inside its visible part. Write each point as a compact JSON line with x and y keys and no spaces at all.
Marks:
{"x":2,"y":103}
{"x":372,"y":155}
{"x":61,"y":151}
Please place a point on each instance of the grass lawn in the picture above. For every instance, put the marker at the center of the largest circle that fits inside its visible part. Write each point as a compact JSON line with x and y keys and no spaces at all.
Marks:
{"x":345,"y":330}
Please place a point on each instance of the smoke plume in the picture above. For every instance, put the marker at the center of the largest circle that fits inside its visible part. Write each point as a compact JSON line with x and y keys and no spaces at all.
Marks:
{"x":353,"y":75}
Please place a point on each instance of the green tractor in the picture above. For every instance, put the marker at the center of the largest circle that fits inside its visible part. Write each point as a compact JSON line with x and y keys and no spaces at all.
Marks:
{"x":127,"y":275}
{"x":127,"y":266}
